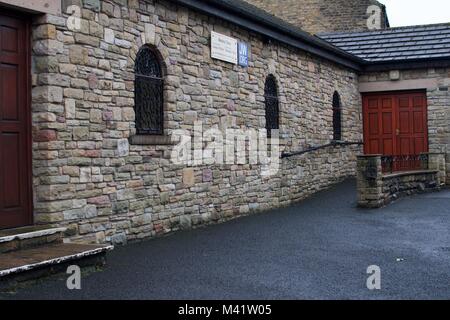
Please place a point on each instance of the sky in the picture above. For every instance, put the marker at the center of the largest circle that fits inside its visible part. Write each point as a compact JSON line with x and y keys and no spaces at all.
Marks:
{"x":414,"y":12}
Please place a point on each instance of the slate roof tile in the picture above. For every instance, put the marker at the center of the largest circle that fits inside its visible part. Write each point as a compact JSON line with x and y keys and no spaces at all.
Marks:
{"x":395,"y":44}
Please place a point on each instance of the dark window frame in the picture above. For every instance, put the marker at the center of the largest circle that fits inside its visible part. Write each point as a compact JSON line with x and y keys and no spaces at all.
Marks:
{"x":337,"y":117}
{"x":272,"y":104}
{"x":149,"y":92}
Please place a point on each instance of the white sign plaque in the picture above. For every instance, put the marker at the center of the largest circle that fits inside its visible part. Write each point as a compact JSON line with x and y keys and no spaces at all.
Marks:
{"x":224,"y":48}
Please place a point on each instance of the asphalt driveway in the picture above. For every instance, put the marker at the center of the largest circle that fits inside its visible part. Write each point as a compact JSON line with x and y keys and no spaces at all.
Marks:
{"x":317,"y":249}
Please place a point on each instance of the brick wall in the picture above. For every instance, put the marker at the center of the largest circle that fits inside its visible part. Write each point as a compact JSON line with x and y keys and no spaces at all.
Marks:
{"x":317,"y":16}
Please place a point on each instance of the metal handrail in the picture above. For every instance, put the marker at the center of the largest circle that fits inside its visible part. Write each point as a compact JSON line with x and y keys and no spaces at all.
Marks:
{"x":331,"y":144}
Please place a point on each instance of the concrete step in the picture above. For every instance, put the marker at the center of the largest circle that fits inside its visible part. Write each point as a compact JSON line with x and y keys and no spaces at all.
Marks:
{"x":22,"y":266}
{"x":29,"y":237}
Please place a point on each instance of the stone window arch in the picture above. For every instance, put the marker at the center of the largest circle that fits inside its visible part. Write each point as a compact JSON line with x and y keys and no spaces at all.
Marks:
{"x":149,"y":92}
{"x":272,"y":104}
{"x":337,"y":117}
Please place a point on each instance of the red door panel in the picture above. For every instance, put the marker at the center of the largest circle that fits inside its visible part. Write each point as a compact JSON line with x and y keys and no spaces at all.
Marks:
{"x":10,"y":172}
{"x":15,"y":194}
{"x":388,"y":145}
{"x":387,"y":122}
{"x":10,"y":98}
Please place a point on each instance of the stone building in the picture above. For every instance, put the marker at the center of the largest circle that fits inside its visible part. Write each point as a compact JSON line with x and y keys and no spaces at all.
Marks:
{"x":316,"y":16}
{"x":95,"y":175}
{"x":406,"y":60}
{"x":94,"y":91}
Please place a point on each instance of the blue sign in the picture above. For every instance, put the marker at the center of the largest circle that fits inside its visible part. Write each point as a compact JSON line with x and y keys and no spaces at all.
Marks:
{"x":243,"y":54}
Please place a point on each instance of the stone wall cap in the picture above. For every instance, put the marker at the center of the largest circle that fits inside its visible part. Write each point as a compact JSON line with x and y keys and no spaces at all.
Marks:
{"x":369,"y":155}
{"x":22,"y":235}
{"x":407,"y":173}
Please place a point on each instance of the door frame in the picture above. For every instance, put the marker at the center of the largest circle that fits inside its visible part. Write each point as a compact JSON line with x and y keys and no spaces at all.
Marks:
{"x":26,"y":18}
{"x":394,"y":115}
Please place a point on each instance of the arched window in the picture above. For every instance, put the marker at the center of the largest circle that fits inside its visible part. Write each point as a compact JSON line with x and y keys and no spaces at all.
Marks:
{"x":272,"y":104}
{"x":148,"y":93}
{"x":337,"y":117}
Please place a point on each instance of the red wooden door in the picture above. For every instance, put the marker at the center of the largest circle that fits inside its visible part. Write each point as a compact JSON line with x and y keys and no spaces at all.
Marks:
{"x":395,"y":124}
{"x":379,"y":124}
{"x":412,"y":124}
{"x":15,"y":202}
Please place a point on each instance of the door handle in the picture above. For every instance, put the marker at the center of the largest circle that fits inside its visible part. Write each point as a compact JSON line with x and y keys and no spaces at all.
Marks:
{"x":397,"y":132}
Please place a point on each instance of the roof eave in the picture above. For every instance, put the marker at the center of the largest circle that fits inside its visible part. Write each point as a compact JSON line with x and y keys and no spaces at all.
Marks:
{"x":443,"y":62}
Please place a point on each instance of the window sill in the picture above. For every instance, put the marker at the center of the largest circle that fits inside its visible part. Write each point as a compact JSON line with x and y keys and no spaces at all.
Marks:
{"x":149,"y":140}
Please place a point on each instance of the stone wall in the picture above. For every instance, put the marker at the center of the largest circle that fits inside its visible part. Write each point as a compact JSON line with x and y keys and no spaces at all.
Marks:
{"x":400,"y":184}
{"x":376,"y":189}
{"x":437,"y":83}
{"x":316,"y":16}
{"x":87,"y":176}
{"x":369,"y":181}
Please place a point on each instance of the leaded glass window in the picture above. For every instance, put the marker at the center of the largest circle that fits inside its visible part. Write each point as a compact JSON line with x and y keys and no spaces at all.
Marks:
{"x":272,"y":104}
{"x":149,"y":85}
{"x":337,"y":117}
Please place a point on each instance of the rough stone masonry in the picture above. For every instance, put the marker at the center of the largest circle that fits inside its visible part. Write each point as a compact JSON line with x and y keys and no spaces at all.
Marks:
{"x":316,"y":16}
{"x":88,"y":177}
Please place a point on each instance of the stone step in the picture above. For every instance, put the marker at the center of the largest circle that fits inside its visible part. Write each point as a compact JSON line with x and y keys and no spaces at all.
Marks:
{"x":29,"y":237}
{"x":30,"y":264}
